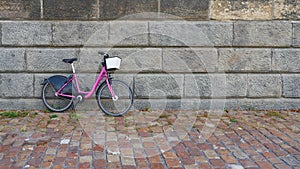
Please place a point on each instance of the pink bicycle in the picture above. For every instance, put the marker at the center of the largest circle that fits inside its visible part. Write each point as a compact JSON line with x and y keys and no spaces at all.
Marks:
{"x":114,"y":97}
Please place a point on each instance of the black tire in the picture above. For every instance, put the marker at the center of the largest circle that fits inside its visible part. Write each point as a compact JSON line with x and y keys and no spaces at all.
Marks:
{"x":52,"y":102}
{"x":118,"y":107}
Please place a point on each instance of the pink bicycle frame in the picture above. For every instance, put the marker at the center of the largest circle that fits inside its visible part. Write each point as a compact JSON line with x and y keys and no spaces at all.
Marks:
{"x":88,"y":94}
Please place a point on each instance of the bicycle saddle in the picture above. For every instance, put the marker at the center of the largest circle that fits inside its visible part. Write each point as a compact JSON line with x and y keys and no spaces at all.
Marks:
{"x":70,"y":60}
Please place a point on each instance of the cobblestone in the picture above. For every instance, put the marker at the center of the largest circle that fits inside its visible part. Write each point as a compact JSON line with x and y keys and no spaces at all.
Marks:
{"x":150,"y":139}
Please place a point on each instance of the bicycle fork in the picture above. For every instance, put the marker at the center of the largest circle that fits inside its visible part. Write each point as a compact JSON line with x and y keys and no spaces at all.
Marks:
{"x":109,"y":82}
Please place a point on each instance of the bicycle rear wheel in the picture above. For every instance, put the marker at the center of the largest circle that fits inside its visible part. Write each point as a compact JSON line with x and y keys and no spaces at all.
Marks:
{"x":118,"y":106}
{"x":52,"y":102}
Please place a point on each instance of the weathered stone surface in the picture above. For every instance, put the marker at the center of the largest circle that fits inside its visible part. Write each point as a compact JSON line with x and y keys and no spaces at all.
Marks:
{"x":236,"y":85}
{"x":241,"y":9}
{"x":70,"y":9}
{"x":263,"y":104}
{"x":80,"y":33}
{"x":264,"y":85}
{"x":180,"y":104}
{"x":296,"y":34}
{"x":205,"y":86}
{"x":21,"y":104}
{"x":262,"y":33}
{"x":197,"y":86}
{"x":133,"y":59}
{"x":291,"y":85}
{"x":160,"y":104}
{"x":26,"y":33}
{"x":90,"y":59}
{"x":188,"y":9}
{"x":287,"y":9}
{"x":128,"y":33}
{"x":286,"y":60}
{"x":159,"y":86}
{"x":49,"y":60}
{"x":244,"y":60}
{"x":190,"y":60}
{"x":139,"y":60}
{"x":116,"y":9}
{"x":24,"y":9}
{"x":190,"y":34}
{"x":12,"y":59}
{"x":215,"y":85}
{"x":16,"y":85}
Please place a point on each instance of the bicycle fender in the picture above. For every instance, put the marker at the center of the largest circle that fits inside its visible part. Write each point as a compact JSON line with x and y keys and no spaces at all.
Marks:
{"x":57,"y":81}
{"x":44,"y":82}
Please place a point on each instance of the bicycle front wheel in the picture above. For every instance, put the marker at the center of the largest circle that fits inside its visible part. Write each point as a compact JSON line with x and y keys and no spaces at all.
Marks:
{"x":120,"y":104}
{"x":52,"y":102}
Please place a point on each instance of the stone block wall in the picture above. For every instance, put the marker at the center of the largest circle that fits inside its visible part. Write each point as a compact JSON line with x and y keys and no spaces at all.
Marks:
{"x":175,"y":54}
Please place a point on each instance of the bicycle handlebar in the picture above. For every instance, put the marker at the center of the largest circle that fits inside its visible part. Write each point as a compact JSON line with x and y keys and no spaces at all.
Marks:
{"x":104,"y":54}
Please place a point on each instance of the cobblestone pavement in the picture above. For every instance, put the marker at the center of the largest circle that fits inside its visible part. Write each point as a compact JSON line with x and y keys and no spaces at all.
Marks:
{"x":150,"y":139}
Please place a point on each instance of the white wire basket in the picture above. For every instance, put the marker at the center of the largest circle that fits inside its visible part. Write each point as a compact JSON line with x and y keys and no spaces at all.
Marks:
{"x":113,"y":63}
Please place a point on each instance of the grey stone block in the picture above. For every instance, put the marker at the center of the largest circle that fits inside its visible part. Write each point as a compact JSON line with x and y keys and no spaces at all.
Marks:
{"x":49,"y":60}
{"x":80,"y":33}
{"x":21,"y":104}
{"x":116,"y":9}
{"x":215,"y":85}
{"x":16,"y":85}
{"x":244,"y":60}
{"x":204,"y":86}
{"x":266,"y":104}
{"x":291,"y":86}
{"x":264,"y":86}
{"x":26,"y":33}
{"x":236,"y":85}
{"x":173,"y":104}
{"x":182,"y":33}
{"x":190,"y":60}
{"x":70,"y":9}
{"x":241,"y":10}
{"x":158,"y":86}
{"x":133,"y":59}
{"x":296,"y":34}
{"x":1,"y":33}
{"x":286,"y":60}
{"x":128,"y":33}
{"x":191,"y":9}
{"x":127,"y":78}
{"x":20,"y":9}
{"x":262,"y":33}
{"x":180,"y":104}
{"x":197,"y":86}
{"x":12,"y":59}
{"x":90,"y":60}
{"x":286,"y":10}
{"x":158,"y":104}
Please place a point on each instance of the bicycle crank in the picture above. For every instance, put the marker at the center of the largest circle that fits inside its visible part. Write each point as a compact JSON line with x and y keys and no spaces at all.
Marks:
{"x":79,"y":99}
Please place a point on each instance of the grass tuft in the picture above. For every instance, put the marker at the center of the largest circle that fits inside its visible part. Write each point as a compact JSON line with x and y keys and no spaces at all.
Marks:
{"x":52,"y":116}
{"x":275,"y":114}
{"x":14,"y":114}
{"x":232,"y":120}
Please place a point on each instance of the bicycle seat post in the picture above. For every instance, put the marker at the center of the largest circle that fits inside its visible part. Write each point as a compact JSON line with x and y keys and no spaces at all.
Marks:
{"x":73,"y":68}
